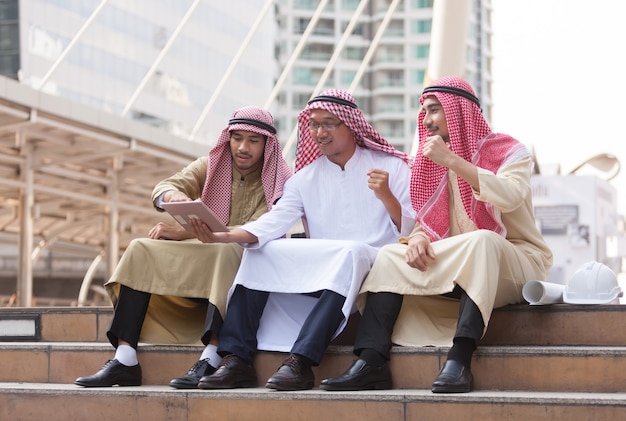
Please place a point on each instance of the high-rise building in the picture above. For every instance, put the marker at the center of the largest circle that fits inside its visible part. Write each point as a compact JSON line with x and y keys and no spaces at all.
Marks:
{"x":390,"y":83}
{"x":184,"y":65}
{"x":159,"y":61}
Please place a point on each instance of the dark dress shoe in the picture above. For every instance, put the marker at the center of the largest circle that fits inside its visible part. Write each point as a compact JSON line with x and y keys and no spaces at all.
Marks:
{"x":360,"y":376}
{"x":190,"y":379}
{"x":112,"y":373}
{"x":454,"y":377}
{"x":231,"y":373}
{"x":293,"y":374}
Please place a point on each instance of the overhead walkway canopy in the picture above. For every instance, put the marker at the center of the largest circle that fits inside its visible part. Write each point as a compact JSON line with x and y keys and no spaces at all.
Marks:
{"x":76,"y":179}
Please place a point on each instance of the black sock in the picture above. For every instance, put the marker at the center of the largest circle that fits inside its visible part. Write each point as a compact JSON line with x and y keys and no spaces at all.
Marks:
{"x":372,"y":357}
{"x":462,"y":350}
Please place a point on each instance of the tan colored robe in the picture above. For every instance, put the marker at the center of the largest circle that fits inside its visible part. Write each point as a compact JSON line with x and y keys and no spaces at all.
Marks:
{"x":173,"y":271}
{"x":490,"y":268}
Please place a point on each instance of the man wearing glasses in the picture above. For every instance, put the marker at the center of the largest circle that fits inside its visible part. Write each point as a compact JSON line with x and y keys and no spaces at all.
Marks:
{"x":295,"y":295}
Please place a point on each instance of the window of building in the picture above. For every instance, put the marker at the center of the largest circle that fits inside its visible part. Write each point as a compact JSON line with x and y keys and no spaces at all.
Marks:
{"x":381,"y":6}
{"x":9,"y":36}
{"x":421,"y":4}
{"x":302,"y":76}
{"x":357,"y":30}
{"x":300,"y":25}
{"x":391,"y":54}
{"x":349,"y":4}
{"x":317,"y":52}
{"x":391,"y":129}
{"x":353,"y":53}
{"x":305,"y":4}
{"x":415,"y":100}
{"x":310,"y":77}
{"x":394,"y":29}
{"x":421,"y":26}
{"x":391,"y":78}
{"x":9,"y":10}
{"x":324,"y":27}
{"x":421,"y":51}
{"x":390,"y":104}
{"x":9,"y":65}
{"x":346,"y":77}
{"x":417,"y":77}
{"x":299,"y":101}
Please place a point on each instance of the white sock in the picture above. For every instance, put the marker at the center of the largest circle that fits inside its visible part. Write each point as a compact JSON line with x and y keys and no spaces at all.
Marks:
{"x":210,"y":353}
{"x":126,"y":355}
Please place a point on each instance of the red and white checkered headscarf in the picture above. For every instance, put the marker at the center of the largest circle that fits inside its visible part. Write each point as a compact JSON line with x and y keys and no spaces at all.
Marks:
{"x":470,"y":138}
{"x":217,"y":187}
{"x":341,"y":104}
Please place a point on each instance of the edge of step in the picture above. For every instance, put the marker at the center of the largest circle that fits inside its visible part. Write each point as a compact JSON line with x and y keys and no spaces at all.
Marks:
{"x":405,"y":395}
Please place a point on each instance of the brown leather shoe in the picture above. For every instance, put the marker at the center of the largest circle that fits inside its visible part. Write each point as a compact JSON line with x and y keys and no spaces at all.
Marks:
{"x":293,"y":374}
{"x":231,"y":373}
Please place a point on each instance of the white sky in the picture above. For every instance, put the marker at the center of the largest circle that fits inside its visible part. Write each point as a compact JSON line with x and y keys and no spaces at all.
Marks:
{"x":559,"y":73}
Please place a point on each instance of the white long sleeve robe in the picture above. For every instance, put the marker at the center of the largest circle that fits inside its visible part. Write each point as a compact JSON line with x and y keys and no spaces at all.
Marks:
{"x":347,"y":225}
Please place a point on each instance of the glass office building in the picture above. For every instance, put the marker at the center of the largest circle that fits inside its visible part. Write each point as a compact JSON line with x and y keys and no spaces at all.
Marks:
{"x":160,"y":61}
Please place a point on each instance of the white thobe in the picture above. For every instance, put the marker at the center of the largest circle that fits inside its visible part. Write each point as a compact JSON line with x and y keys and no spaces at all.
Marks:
{"x":346,"y":224}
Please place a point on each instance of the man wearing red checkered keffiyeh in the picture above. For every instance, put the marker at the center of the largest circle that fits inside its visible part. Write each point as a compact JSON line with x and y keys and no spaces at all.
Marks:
{"x":475,"y":241}
{"x":341,"y":104}
{"x":295,"y":295}
{"x":274,"y":171}
{"x":151,"y":288}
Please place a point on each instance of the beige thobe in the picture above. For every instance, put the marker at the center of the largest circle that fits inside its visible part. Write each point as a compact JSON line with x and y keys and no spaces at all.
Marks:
{"x":173,"y":271}
{"x":492,"y":269}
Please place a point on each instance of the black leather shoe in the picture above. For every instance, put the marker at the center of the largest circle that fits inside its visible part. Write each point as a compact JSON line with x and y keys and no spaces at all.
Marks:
{"x":112,"y":373}
{"x":231,"y":373}
{"x":293,"y":374}
{"x":360,"y":376}
{"x":190,"y":379}
{"x":453,"y":377}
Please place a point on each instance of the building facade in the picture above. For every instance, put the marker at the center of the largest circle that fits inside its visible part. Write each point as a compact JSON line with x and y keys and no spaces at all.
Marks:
{"x":389,"y":87}
{"x":158,"y":61}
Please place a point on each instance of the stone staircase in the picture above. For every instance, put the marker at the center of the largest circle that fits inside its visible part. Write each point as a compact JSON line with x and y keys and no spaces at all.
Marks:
{"x":534,"y":363}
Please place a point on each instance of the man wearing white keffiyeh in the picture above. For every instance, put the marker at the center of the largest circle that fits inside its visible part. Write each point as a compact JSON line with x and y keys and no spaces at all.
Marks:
{"x":295,"y":295}
{"x":174,"y":292}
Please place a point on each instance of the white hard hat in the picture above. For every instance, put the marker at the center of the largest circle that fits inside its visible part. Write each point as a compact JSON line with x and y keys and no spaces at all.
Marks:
{"x":592,"y":283}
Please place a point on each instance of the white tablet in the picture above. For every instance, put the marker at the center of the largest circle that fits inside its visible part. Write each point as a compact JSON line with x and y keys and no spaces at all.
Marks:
{"x":183,"y":212}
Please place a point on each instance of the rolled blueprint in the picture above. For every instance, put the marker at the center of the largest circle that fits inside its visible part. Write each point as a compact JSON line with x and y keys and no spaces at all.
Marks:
{"x":539,"y":292}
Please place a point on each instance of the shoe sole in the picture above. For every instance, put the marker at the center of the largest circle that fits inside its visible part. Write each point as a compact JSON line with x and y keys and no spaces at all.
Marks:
{"x":449,"y":389}
{"x":372,"y":386}
{"x":287,"y":388}
{"x":183,"y":386}
{"x":107,"y":385}
{"x":209,"y":386}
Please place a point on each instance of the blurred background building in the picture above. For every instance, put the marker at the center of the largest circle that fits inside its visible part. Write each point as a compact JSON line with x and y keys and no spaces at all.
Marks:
{"x":101,"y":99}
{"x":180,"y":64}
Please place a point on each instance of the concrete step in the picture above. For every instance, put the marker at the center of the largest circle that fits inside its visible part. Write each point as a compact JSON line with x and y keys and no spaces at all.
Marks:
{"x":36,"y":401}
{"x":555,"y":368}
{"x":540,"y":363}
{"x":559,"y":324}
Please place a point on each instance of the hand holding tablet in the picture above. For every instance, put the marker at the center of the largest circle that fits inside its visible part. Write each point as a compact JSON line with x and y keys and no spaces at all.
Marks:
{"x":183,"y":212}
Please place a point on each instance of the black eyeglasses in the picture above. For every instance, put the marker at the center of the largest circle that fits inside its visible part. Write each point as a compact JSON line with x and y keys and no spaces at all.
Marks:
{"x":314,"y":127}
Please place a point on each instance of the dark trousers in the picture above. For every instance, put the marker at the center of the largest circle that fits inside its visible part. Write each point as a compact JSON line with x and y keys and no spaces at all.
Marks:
{"x":130,"y":312}
{"x":238,"y":335}
{"x":381,"y":312}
